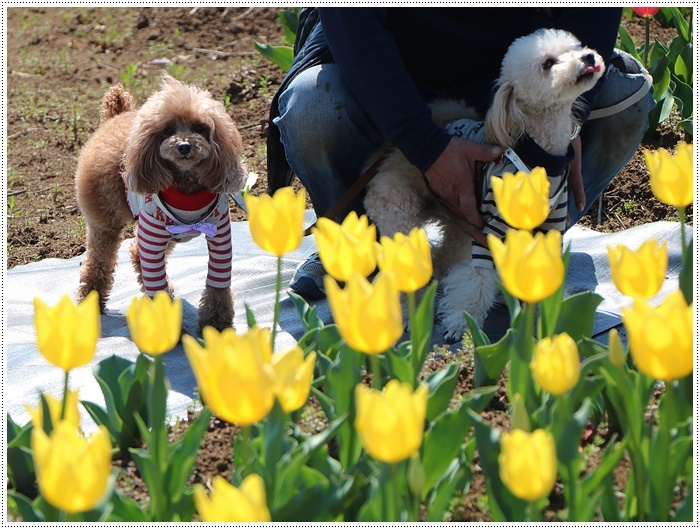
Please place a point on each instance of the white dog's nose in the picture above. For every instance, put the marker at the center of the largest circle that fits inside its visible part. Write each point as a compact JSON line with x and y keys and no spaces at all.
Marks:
{"x":589,"y":59}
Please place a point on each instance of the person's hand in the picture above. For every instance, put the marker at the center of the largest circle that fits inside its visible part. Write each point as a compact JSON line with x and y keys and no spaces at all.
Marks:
{"x":451,"y":176}
{"x":575,"y":177}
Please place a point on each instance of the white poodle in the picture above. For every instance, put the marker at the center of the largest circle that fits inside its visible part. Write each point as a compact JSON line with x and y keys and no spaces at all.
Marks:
{"x":542,"y":77}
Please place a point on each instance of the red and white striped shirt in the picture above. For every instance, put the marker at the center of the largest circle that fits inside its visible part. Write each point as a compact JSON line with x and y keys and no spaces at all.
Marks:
{"x":173,"y":215}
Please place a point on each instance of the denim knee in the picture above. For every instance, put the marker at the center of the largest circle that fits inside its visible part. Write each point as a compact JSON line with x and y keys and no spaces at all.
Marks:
{"x":615,"y":127}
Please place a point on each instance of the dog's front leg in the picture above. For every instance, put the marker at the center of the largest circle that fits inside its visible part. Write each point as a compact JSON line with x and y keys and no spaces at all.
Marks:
{"x":216,"y":308}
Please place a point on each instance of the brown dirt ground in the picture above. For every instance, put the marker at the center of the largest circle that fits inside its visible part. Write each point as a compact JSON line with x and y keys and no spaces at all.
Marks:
{"x":60,"y":61}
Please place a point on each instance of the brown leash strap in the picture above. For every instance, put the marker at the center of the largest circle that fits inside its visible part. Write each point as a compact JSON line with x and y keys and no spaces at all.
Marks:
{"x":352,"y":191}
{"x":466,"y":226}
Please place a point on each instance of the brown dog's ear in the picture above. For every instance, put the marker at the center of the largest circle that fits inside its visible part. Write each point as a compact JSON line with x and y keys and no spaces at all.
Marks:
{"x":222,"y":171}
{"x":505,"y":122}
{"x":144,"y":172}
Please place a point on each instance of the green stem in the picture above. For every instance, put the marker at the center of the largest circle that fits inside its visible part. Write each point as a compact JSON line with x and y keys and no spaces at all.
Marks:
{"x":416,"y":359}
{"x":646,"y":43}
{"x":519,"y":378}
{"x":65,"y":396}
{"x":278,"y":287}
{"x":684,"y":249}
{"x":391,"y":494}
{"x":666,"y":425}
{"x":635,"y":451}
{"x":376,"y":369}
{"x":156,"y":417}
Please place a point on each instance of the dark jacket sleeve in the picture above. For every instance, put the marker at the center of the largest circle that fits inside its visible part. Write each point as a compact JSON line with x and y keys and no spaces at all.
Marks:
{"x":371,"y":65}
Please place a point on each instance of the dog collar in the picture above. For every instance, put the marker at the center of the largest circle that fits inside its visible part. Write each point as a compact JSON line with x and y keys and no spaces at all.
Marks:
{"x":535,"y":156}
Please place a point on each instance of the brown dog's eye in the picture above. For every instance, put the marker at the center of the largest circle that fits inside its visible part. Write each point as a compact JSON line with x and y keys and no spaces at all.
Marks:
{"x":548,"y":63}
{"x":170,"y":131}
{"x":200,"y":129}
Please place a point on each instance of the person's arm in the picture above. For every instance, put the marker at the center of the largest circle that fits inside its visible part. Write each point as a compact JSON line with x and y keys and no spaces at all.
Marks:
{"x":372,"y":67}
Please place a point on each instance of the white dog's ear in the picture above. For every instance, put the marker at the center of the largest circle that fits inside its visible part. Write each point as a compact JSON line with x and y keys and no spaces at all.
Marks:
{"x":505,"y":122}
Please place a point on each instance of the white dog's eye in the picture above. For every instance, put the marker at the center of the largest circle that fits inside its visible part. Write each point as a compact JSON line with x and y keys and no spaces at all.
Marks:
{"x":548,"y":63}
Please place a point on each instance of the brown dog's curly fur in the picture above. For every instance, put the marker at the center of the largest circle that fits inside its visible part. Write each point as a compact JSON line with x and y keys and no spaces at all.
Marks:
{"x":138,"y":148}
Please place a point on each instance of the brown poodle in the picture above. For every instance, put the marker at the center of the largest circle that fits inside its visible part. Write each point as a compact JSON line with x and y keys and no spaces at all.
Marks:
{"x":168,"y":165}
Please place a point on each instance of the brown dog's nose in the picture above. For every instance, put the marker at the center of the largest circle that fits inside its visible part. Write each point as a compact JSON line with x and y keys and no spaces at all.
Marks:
{"x":184,"y":148}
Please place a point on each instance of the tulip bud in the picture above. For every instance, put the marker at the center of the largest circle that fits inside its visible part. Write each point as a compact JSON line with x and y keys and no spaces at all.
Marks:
{"x":617,"y":353}
{"x":277,"y":222}
{"x":348,"y":248}
{"x":67,"y":334}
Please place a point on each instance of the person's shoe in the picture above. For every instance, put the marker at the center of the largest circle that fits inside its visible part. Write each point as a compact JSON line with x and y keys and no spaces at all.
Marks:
{"x":307,"y":280}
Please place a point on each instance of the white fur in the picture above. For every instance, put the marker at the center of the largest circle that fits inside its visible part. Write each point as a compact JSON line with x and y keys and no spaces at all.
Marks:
{"x":529,"y":99}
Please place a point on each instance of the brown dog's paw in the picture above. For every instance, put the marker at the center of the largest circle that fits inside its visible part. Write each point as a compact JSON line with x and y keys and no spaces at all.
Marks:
{"x":216,"y":308}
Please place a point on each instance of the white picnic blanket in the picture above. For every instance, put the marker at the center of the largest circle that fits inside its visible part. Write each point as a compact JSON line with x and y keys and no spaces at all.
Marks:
{"x":27,"y":372}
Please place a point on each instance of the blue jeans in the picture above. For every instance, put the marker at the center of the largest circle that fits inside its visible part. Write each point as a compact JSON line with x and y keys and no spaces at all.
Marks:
{"x":328,"y":137}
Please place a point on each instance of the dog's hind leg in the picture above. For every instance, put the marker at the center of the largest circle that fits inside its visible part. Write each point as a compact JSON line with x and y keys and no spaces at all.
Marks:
{"x":394,"y":201}
{"x":466,"y":288}
{"x":97,"y":271}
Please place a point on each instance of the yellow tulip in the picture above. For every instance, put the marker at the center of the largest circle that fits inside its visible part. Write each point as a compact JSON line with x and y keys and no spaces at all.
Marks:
{"x":368,"y":315}
{"x":556,"y":365}
{"x":155,"y":324}
{"x":227,"y":503}
{"x":293,"y":377}
{"x":72,"y":413}
{"x":72,"y":471}
{"x":408,"y":257}
{"x":661,"y":338}
{"x":234,"y":373}
{"x":390,"y":423}
{"x":531,"y":268}
{"x":522,"y":198}
{"x":615,"y":349}
{"x":346,"y":248}
{"x":527,"y":464}
{"x":672,"y":174}
{"x":67,"y":334}
{"x":639,"y":273}
{"x":277,"y":222}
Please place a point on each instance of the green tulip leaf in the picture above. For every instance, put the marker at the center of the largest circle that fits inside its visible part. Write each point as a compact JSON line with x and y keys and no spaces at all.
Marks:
{"x":577,"y":314}
{"x":282,"y":56}
{"x":441,"y":386}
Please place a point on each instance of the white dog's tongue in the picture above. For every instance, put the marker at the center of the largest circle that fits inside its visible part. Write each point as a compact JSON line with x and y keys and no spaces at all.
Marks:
{"x":590,"y":69}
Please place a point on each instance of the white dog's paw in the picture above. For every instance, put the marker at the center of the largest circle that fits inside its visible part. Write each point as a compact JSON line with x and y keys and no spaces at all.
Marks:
{"x":455,"y":325}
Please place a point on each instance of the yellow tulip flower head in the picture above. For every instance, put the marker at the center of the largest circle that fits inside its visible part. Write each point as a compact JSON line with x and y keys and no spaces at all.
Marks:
{"x":661,"y":338}
{"x":368,"y":315}
{"x":155,"y":324}
{"x":556,"y":365}
{"x":72,"y":471}
{"x":346,"y":248}
{"x":227,"y":503}
{"x":391,"y":422}
{"x":672,"y":174}
{"x":531,"y":268}
{"x":522,"y":198}
{"x":293,"y":377}
{"x":639,"y":273}
{"x":527,"y":464}
{"x":617,"y":353}
{"x":67,"y":334}
{"x":234,"y":373}
{"x":72,"y":413}
{"x":277,"y":221}
{"x":408,"y":257}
